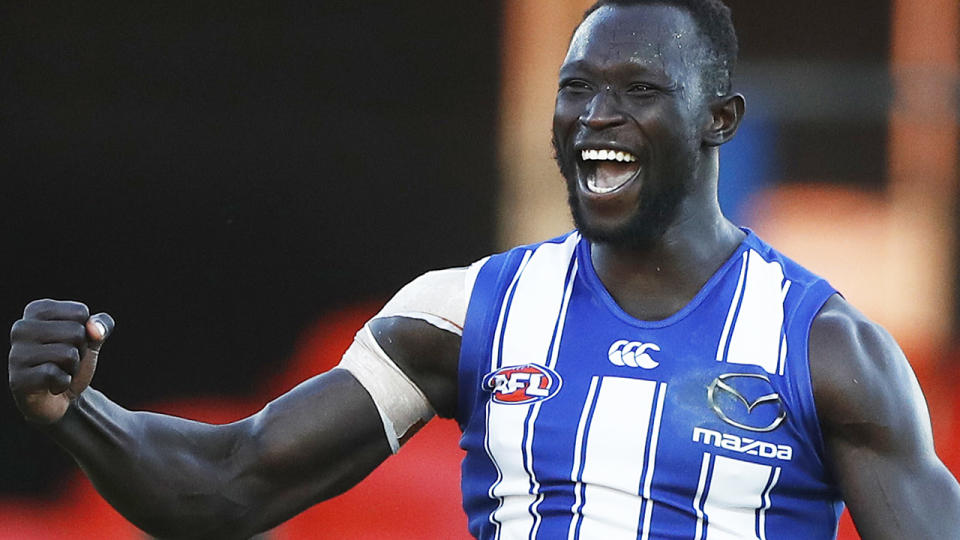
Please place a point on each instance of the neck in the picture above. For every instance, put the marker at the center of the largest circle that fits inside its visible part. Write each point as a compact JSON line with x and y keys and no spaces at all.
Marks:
{"x":655,"y":282}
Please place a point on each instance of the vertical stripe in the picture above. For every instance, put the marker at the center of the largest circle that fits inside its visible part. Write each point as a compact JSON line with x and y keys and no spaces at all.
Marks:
{"x":651,"y":462}
{"x":698,"y":498}
{"x":783,"y":334}
{"x":755,"y":336}
{"x":735,"y":493}
{"x":528,"y":328}
{"x":495,"y":363}
{"x":498,"y":331}
{"x":486,"y":446}
{"x":614,"y":458}
{"x":722,"y":347}
{"x":528,"y":453}
{"x":783,"y":353}
{"x":578,"y":458}
{"x":762,"y":519}
{"x":551,"y":362}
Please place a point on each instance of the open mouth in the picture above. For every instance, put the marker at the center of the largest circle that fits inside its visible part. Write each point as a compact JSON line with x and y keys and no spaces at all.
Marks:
{"x":606,"y":171}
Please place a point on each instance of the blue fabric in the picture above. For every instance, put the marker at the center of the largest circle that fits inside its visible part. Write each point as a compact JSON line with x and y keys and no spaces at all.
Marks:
{"x":799,"y":500}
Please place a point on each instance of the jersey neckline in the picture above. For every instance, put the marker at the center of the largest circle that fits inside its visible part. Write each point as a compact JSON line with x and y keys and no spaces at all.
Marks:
{"x":589,"y":274}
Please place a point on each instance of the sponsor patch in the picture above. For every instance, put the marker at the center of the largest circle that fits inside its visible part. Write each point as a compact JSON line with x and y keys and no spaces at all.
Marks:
{"x":747,"y":401}
{"x":519,"y":385}
{"x":744,"y":445}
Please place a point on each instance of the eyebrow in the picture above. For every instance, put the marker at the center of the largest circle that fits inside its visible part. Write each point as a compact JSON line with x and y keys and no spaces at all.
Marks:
{"x":640,"y":67}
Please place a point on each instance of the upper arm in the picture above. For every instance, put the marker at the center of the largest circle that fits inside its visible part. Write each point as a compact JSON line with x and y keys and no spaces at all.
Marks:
{"x":877,"y":430}
{"x":327,"y":434}
{"x":420,"y":329}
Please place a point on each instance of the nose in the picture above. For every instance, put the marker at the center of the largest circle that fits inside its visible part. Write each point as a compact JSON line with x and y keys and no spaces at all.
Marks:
{"x":603,"y":110}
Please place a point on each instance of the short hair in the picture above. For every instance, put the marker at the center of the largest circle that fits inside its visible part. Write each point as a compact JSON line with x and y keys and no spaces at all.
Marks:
{"x":715,"y":21}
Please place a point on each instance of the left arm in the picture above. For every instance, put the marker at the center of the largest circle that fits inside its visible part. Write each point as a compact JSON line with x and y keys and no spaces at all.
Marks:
{"x":877,"y":431}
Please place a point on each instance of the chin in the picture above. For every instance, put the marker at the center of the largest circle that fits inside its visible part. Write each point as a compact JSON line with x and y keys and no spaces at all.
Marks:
{"x":642,"y":223}
{"x":641,"y":229}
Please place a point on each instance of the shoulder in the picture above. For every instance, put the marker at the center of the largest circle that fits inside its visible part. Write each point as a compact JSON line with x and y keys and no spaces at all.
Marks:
{"x":419,"y":329}
{"x":862,"y":381}
{"x":438,"y":296}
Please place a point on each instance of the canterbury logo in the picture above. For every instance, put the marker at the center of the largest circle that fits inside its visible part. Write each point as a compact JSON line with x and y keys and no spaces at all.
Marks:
{"x":633,"y":354}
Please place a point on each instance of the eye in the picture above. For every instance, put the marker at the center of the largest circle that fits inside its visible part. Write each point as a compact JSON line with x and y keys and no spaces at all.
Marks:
{"x":641,"y":89}
{"x":575,"y":85}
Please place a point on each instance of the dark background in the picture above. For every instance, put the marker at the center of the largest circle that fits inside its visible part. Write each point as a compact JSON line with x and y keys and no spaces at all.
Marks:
{"x":217,"y":177}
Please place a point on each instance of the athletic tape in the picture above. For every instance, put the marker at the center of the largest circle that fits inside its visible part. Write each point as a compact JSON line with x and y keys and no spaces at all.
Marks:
{"x":398,"y":400}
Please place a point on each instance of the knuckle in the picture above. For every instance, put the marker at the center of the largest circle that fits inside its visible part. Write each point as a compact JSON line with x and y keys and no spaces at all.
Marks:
{"x":20,"y":354}
{"x":49,"y":309}
{"x":76,"y":333}
{"x":38,"y":308}
{"x":63,"y":351}
{"x":55,"y":378}
{"x":18,"y":330}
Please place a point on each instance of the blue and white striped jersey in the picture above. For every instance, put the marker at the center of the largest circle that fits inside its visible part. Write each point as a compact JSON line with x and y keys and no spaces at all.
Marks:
{"x":580,"y":421}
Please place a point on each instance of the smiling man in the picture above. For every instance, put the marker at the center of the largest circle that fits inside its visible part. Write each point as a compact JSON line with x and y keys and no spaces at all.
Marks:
{"x":657,"y":373}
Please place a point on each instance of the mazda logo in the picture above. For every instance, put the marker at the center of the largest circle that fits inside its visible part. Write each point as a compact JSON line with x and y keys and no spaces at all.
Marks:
{"x":724,"y":385}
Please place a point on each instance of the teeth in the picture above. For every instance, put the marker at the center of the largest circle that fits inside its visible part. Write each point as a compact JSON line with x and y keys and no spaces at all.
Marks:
{"x":607,"y":155}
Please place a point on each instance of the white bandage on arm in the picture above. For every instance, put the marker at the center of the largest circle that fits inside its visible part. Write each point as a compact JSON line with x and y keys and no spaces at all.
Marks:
{"x":438,"y":298}
{"x":400,"y":403}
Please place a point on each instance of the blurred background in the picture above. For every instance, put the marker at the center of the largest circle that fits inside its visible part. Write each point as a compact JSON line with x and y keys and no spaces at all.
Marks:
{"x":242,"y":186}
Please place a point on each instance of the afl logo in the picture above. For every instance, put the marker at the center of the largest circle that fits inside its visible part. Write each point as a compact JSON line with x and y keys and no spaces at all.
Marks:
{"x":519,"y":385}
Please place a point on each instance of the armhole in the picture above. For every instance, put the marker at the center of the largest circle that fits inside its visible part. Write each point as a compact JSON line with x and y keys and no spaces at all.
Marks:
{"x":470,"y":279}
{"x":808,"y":307}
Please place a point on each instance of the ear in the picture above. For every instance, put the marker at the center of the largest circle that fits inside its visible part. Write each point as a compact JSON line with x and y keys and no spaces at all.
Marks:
{"x":725,"y":115}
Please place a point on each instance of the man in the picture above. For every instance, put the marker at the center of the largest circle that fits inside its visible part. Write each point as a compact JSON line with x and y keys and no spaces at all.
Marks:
{"x":658,"y":373}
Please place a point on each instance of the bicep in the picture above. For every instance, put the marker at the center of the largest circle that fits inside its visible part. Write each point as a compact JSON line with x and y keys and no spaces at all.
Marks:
{"x":419,"y":329}
{"x":327,"y":434}
{"x":877,"y":430}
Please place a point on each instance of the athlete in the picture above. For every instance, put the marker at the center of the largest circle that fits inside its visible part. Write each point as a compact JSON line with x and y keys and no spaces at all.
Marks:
{"x":657,"y":373}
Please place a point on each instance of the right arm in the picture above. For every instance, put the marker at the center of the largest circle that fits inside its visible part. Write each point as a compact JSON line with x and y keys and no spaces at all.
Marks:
{"x":179,"y":478}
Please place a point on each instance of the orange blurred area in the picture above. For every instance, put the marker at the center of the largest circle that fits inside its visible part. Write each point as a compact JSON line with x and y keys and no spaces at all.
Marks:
{"x":857,"y":240}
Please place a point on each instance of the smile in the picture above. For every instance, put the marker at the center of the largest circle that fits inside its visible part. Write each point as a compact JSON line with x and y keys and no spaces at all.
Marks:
{"x":608,"y":170}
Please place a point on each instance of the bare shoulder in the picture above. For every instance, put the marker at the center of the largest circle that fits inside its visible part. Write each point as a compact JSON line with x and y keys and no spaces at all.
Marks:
{"x":863,"y":384}
{"x":876,"y":430}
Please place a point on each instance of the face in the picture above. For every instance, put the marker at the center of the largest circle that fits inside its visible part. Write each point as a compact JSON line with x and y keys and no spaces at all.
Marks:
{"x":628,"y":120}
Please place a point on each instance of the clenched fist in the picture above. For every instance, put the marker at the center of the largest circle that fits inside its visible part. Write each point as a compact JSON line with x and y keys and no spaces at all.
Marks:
{"x":53,"y":354}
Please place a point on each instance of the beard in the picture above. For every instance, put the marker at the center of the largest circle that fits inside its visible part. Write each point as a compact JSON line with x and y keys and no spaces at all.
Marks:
{"x":656,"y":210}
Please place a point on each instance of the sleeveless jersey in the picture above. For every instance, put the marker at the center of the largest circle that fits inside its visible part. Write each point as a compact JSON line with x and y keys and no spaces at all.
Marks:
{"x":580,"y":421}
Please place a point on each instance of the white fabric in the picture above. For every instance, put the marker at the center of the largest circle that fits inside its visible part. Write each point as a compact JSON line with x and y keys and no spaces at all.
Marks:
{"x":439,"y":293}
{"x":439,"y":298}
{"x":400,"y":403}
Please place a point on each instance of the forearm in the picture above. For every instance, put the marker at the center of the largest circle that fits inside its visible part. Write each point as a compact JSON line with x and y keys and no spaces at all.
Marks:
{"x":914,"y":500}
{"x":170,"y":476}
{"x":184,"y":479}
